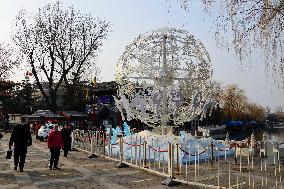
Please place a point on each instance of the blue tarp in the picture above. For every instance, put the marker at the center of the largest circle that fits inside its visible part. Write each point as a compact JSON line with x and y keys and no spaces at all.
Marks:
{"x":234,"y":123}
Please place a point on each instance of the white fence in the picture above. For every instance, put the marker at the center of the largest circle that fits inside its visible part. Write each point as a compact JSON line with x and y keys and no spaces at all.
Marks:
{"x":252,"y":165}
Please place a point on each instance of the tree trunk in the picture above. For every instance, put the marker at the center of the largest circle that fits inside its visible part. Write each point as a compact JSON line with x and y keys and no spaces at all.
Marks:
{"x":53,"y":104}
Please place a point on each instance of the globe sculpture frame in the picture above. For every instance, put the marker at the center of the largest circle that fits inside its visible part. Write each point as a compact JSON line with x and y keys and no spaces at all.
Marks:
{"x":164,"y":78}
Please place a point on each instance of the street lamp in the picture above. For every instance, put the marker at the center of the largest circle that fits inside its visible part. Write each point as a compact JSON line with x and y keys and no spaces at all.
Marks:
{"x":94,"y":84}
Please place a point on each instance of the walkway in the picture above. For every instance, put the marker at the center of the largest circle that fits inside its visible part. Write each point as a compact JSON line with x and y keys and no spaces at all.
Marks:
{"x":77,"y":171}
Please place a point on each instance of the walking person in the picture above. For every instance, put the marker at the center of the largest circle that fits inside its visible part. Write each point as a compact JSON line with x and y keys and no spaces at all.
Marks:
{"x":21,"y":137}
{"x":66,"y":136}
{"x":55,"y":143}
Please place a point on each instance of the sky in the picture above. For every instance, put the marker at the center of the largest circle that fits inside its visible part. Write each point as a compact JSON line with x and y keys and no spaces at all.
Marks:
{"x":131,"y":18}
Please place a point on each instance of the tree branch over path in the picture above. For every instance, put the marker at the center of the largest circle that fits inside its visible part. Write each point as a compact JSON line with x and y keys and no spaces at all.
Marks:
{"x":58,"y":43}
{"x":249,"y":27}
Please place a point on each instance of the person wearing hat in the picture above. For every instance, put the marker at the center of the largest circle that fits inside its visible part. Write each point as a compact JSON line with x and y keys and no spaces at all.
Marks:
{"x":55,"y":143}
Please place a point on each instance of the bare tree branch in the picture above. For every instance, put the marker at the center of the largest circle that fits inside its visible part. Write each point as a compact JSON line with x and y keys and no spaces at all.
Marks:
{"x":8,"y":61}
{"x":249,"y":27}
{"x":65,"y":40}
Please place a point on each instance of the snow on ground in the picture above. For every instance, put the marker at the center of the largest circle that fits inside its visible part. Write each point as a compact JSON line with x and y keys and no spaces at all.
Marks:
{"x":158,"y":145}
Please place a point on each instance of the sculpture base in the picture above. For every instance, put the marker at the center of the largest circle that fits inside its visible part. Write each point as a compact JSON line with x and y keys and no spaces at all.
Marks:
{"x":170,"y":182}
{"x":121,"y":165}
{"x":93,"y":156}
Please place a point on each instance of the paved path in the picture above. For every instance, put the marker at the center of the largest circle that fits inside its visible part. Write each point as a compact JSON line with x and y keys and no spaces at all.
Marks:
{"x":77,"y":171}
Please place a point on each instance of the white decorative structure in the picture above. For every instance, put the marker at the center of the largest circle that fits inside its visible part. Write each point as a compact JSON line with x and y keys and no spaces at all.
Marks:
{"x":164,"y":78}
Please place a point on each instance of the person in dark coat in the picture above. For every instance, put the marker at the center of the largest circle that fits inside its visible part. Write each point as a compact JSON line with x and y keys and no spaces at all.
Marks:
{"x":21,"y":137}
{"x":66,"y":136}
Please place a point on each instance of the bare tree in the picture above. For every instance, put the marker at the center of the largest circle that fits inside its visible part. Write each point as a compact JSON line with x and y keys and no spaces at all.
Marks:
{"x":60,"y":44}
{"x":247,"y":26}
{"x":8,"y":61}
{"x":267,"y":110}
{"x":278,"y":109}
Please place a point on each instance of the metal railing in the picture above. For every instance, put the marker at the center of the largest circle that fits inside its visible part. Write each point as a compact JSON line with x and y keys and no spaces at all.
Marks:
{"x":212,"y":166}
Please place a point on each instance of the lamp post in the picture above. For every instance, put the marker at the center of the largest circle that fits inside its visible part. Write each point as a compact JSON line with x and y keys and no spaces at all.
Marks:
{"x":93,"y":100}
{"x":94,"y":84}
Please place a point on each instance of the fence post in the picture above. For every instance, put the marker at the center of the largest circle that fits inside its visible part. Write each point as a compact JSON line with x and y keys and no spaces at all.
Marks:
{"x":207,"y":158}
{"x":170,"y":181}
{"x":92,"y":144}
{"x":180,"y":168}
{"x":111,"y":154}
{"x":135,"y":150}
{"x":264,"y":139}
{"x":163,"y":163}
{"x":72,"y":140}
{"x":169,"y":158}
{"x":240,"y":159}
{"x":149,"y":154}
{"x":227,"y":139}
{"x":252,"y":146}
{"x":139,"y":155}
{"x":237,"y":181}
{"x":154,"y":166}
{"x":187,"y":161}
{"x":121,"y":164}
{"x":172,"y":160}
{"x":252,"y":143}
{"x":131,"y":159}
{"x":195,"y":167}
{"x":260,"y":163}
{"x":104,"y":144}
{"x":198,"y":157}
{"x":248,"y":156}
{"x":159,"y":156}
{"x":236,"y":154}
{"x":225,"y":149}
{"x":252,"y":159}
{"x":145,"y":154}
{"x":229,"y":175}
{"x":278,"y":157}
{"x":212,"y":155}
{"x":92,"y":155}
{"x":218,"y":167}
{"x":178,"y":171}
{"x":249,"y":179}
{"x":109,"y":145}
{"x":99,"y":143}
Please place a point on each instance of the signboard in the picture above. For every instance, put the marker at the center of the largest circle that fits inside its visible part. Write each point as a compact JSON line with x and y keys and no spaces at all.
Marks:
{"x":106,"y":100}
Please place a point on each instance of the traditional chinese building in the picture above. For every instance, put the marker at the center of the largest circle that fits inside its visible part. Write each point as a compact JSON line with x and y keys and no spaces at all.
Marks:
{"x":100,"y":103}
{"x":100,"y":97}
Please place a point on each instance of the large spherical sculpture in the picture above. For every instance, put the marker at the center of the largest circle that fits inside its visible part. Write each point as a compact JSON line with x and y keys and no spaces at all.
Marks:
{"x":164,"y":78}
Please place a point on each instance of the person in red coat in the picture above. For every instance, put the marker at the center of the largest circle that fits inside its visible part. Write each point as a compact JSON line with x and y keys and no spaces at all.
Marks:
{"x":55,"y":143}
